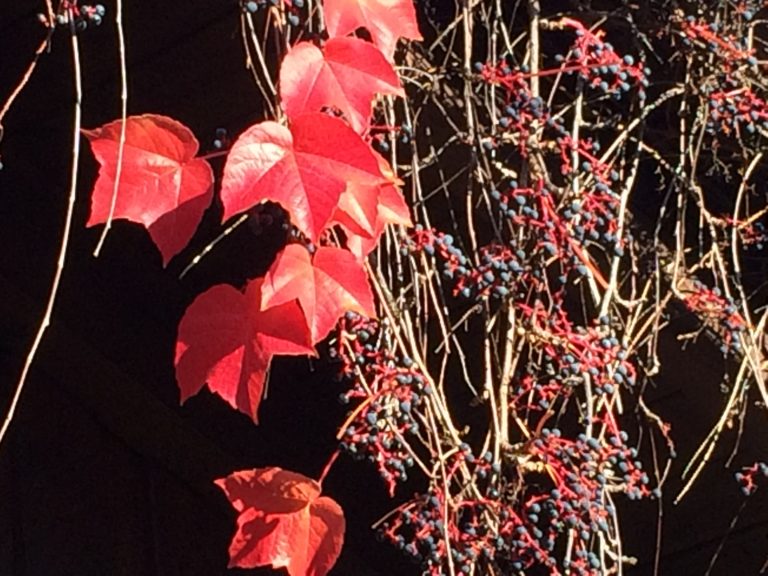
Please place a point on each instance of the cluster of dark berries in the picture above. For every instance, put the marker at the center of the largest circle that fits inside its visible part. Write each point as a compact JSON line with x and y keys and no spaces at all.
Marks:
{"x":501,"y":271}
{"x":498,"y":273}
{"x":597,"y":63}
{"x":425,"y":530}
{"x":592,"y":212}
{"x":557,"y":232}
{"x":583,"y":468}
{"x":456,"y":533}
{"x":736,"y":109}
{"x":560,"y":229}
{"x":720,"y":313}
{"x":80,"y":16}
{"x":583,"y":471}
{"x":585,"y":149}
{"x":748,"y":477}
{"x":292,"y":8}
{"x":508,"y":524}
{"x":732,"y":51}
{"x":571,"y":356}
{"x":389,"y":390}
{"x":380,"y":137}
{"x":431,"y":242}
{"x":522,"y":111}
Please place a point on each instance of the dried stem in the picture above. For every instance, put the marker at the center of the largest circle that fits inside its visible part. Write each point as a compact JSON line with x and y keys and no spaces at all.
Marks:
{"x":64,"y":238}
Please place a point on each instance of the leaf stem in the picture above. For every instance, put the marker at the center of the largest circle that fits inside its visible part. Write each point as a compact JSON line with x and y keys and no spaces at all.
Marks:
{"x":216,"y":154}
{"x":328,"y":466}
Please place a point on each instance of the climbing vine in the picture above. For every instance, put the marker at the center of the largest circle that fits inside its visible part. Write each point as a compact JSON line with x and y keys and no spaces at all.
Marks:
{"x":463,"y":204}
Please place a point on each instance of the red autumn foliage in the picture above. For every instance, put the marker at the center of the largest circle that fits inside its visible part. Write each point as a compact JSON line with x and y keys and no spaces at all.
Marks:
{"x":326,"y":285}
{"x":226,"y":340}
{"x":284,"y":522}
{"x":297,"y":169}
{"x":385,"y":20}
{"x":322,"y":170}
{"x":346,"y":75}
{"x":364,"y":211}
{"x":163,"y":186}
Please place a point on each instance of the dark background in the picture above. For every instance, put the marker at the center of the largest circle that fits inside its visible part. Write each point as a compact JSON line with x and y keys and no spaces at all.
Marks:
{"x":102,"y":471}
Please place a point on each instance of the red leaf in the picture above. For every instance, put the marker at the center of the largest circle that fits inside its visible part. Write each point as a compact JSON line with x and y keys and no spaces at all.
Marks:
{"x":227,"y":341}
{"x":162,"y":185}
{"x":284,"y":522}
{"x":392,"y":209}
{"x":363,"y":228}
{"x":346,"y":74}
{"x":360,"y":246}
{"x":364,"y":209}
{"x":305,"y":169}
{"x":358,"y":210}
{"x":392,"y":206}
{"x":326,"y":285}
{"x":385,"y":20}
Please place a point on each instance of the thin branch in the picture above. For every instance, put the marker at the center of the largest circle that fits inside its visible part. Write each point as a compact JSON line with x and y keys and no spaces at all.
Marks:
{"x":30,"y":69}
{"x":64,"y":238}
{"x":123,"y":121}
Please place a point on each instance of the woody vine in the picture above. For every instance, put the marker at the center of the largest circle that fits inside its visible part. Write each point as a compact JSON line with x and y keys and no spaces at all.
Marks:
{"x":461,"y":225}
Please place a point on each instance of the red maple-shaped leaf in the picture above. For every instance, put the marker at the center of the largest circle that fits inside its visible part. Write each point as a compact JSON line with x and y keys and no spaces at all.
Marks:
{"x":385,"y":20}
{"x":364,"y":209}
{"x":358,"y":209}
{"x":363,"y":225}
{"x":346,"y":74}
{"x":390,"y":211}
{"x":284,"y":522}
{"x":304,"y":169}
{"x":163,"y":186}
{"x":326,"y":285}
{"x":227,"y":341}
{"x":392,"y":206}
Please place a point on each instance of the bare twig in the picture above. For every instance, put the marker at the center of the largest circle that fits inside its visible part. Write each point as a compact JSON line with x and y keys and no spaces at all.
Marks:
{"x":123,"y":120}
{"x":64,"y":238}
